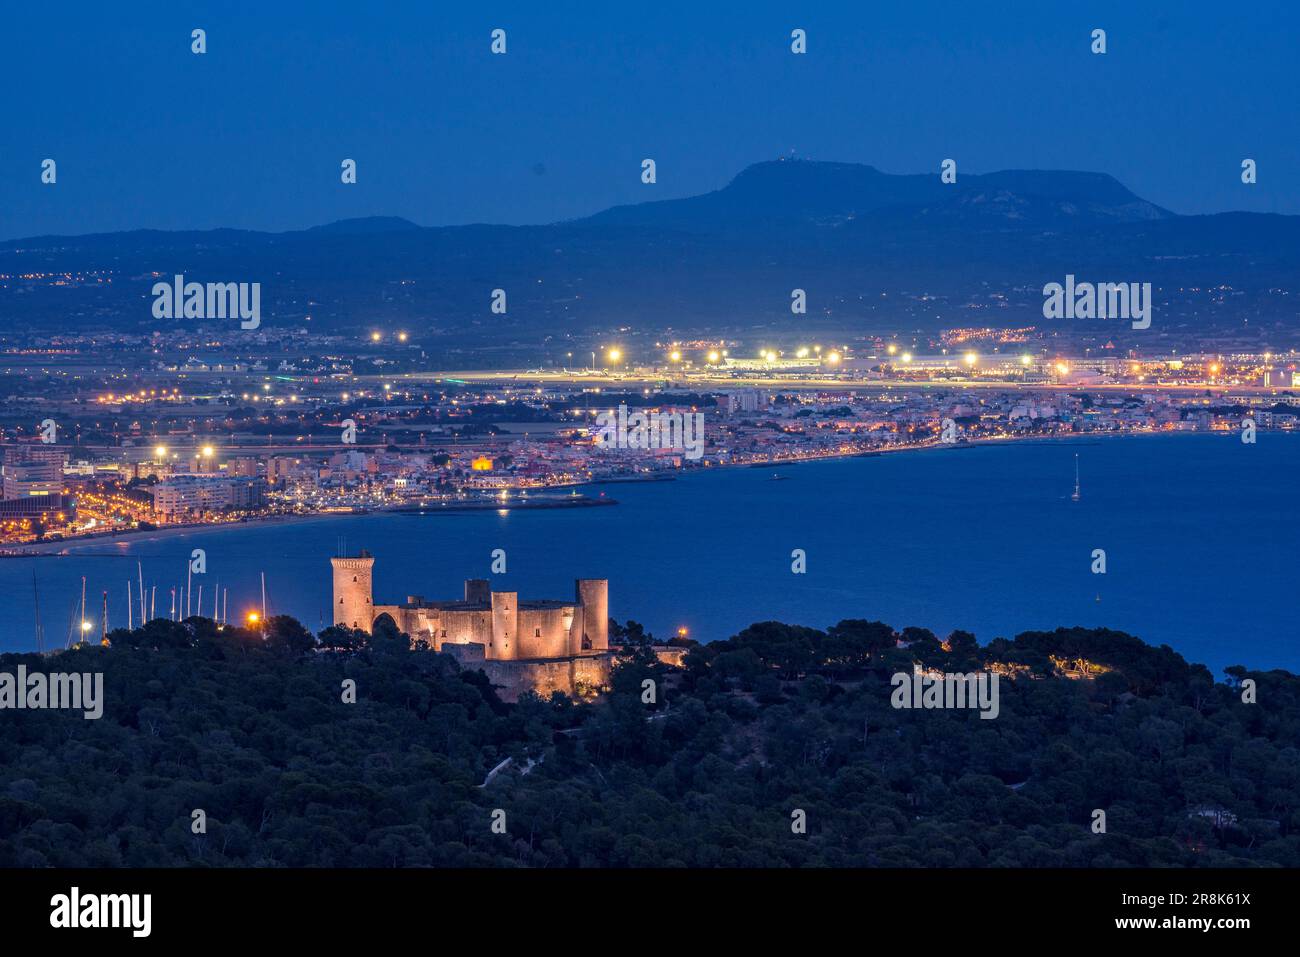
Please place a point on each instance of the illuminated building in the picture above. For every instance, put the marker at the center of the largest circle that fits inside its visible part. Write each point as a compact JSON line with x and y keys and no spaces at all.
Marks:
{"x":542,"y":645}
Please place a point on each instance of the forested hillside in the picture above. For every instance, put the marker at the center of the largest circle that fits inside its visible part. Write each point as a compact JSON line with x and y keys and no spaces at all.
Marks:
{"x":255,"y":732}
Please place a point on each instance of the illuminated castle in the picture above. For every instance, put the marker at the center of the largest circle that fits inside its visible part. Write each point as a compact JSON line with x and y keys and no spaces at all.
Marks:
{"x":543,"y":645}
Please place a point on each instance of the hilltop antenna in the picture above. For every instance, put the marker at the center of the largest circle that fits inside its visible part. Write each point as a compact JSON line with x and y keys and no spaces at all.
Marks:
{"x":153,"y":596}
{"x":1075,"y":496}
{"x":263,"y":601}
{"x":130,"y":623}
{"x":139,"y":567}
{"x":103,"y":624}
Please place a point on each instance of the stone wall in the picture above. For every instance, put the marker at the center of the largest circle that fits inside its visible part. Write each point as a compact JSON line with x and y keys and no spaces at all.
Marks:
{"x":513,"y":678}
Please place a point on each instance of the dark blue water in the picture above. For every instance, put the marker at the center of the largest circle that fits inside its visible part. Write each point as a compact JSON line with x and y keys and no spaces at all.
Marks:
{"x":1200,"y":534}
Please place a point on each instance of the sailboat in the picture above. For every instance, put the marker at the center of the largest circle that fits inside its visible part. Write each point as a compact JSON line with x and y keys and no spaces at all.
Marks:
{"x":1075,"y":496}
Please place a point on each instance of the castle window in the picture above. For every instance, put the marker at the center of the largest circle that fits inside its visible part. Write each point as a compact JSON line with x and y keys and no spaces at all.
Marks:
{"x":354,"y":577}
{"x":444,"y":633}
{"x":537,"y":632}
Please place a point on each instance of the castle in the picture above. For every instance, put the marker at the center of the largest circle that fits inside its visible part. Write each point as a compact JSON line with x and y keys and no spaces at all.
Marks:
{"x":542,"y":645}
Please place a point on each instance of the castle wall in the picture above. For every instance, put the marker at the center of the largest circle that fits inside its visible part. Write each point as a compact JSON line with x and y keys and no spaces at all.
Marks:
{"x":440,"y":626}
{"x":519,"y":649}
{"x":569,"y":675}
{"x":542,"y":633}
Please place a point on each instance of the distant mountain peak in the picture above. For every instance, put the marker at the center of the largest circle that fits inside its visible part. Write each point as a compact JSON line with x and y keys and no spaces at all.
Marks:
{"x":366,"y":224}
{"x":819,"y":192}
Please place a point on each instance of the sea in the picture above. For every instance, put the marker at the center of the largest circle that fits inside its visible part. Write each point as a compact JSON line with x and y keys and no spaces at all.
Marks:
{"x":1199,"y":534}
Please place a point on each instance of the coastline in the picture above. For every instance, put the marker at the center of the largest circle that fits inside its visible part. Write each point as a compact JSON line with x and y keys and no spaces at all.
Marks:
{"x":68,"y":546}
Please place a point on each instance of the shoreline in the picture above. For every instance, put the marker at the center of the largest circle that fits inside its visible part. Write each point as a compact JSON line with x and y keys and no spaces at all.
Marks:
{"x":128,"y":537}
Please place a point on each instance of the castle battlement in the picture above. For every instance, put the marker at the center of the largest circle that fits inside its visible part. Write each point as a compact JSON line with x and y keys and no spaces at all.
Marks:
{"x":530,"y":637}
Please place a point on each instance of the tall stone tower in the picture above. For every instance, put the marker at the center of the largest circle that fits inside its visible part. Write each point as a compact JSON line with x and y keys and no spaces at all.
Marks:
{"x":593,"y":595}
{"x":354,"y":605}
{"x":505,"y":625}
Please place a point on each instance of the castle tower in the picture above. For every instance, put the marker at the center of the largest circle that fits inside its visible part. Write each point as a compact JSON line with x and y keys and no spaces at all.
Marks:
{"x":593,"y":595}
{"x":354,"y":605}
{"x":505,"y":625}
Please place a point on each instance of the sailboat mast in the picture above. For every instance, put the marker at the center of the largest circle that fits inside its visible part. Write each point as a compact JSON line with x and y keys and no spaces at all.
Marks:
{"x":40,"y":636}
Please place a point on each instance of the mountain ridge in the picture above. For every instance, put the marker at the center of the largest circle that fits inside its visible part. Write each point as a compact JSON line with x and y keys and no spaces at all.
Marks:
{"x":876,"y":252}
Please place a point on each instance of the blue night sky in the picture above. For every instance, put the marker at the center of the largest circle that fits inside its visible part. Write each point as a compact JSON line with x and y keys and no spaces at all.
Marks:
{"x":251,"y":135}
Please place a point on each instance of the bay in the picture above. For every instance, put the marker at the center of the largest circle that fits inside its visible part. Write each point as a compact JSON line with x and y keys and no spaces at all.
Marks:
{"x":1199,"y":531}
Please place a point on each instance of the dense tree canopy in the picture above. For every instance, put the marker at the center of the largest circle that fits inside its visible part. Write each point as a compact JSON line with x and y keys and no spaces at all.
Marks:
{"x":254,"y":728}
